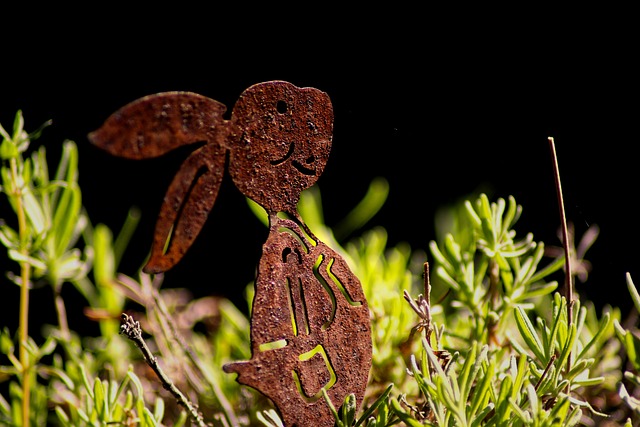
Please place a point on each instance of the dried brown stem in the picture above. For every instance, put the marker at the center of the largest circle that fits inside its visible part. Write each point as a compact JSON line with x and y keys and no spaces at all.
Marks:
{"x":546,"y":371}
{"x":568,"y":288}
{"x":132,"y":330}
{"x":165,"y":320}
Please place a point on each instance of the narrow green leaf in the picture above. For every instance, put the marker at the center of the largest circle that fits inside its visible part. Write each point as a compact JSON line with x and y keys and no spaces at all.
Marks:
{"x":561,"y":409}
{"x":34,"y":212}
{"x":534,"y":402}
{"x":8,"y":186}
{"x":158,"y":410}
{"x":520,"y":376}
{"x":424,"y":382}
{"x":85,"y":381}
{"x":439,"y":257}
{"x":124,"y":236}
{"x":549,"y":269}
{"x":27,"y":169}
{"x":270,"y":418}
{"x":104,"y":265}
{"x":34,"y":262}
{"x":18,"y":126}
{"x":99,"y":400}
{"x":8,"y":237}
{"x":41,"y":173}
{"x":442,"y":273}
{"x":568,"y":347}
{"x":536,"y":257}
{"x":379,"y":401}
{"x":629,"y":345}
{"x":635,"y":296}
{"x":128,"y":401}
{"x":468,"y":277}
{"x":123,"y":384}
{"x":370,"y":205}
{"x":469,"y":370}
{"x":529,"y":334}
{"x":83,"y":416}
{"x":488,"y":234}
{"x":497,"y":212}
{"x":384,"y":413}
{"x":149,"y":420}
{"x":523,"y":415}
{"x":479,"y":418}
{"x":4,"y":133}
{"x":67,"y":170}
{"x":473,"y":216}
{"x":36,"y":133}
{"x":142,"y":419}
{"x":139,"y":403}
{"x":558,"y":321}
{"x":604,"y":325}
{"x":331,"y":407}
{"x":62,"y":416}
{"x":580,"y":315}
{"x":452,"y":249}
{"x":348,"y":410}
{"x":538,"y":291}
{"x":522,"y":248}
{"x":484,"y":206}
{"x":499,"y":257}
{"x":66,"y":216}
{"x":587,"y":382}
{"x":404,"y":417}
{"x":136,"y":381}
{"x":480,"y":396}
{"x":510,"y":216}
{"x":630,"y":400}
{"x":502,"y":401}
{"x":47,"y":347}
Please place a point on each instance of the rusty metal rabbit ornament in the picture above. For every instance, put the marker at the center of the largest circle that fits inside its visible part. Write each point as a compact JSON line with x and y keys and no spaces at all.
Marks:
{"x":310,"y":327}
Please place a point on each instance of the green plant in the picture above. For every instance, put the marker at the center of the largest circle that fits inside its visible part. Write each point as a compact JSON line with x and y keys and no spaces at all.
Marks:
{"x":480,"y":371}
{"x":473,"y":334}
{"x":46,"y":247}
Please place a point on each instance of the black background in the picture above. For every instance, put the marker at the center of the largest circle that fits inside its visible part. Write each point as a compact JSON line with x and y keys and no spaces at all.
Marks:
{"x":440,"y":114}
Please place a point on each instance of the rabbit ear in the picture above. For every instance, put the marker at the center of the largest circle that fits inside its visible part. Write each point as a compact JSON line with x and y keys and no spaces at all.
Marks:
{"x":153,"y":125}
{"x":186,"y":206}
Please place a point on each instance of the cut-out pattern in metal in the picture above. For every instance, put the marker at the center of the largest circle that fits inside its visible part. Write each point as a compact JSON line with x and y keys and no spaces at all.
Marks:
{"x":310,"y":325}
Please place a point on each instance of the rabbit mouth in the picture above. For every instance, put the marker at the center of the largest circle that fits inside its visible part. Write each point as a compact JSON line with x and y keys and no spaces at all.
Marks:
{"x":301,"y":167}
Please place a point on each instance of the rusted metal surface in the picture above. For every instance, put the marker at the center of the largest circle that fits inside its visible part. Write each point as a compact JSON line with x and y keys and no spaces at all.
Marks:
{"x":310,"y":325}
{"x":154,"y":125}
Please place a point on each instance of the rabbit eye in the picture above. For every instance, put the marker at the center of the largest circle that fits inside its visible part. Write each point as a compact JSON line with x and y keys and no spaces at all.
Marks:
{"x":281,"y":107}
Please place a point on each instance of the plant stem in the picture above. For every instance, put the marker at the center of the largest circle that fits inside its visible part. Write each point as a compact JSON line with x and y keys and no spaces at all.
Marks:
{"x":25,"y":273}
{"x":494,"y":283}
{"x":164,"y":318}
{"x":565,"y":242}
{"x":131,"y":329}
{"x":62,"y":314}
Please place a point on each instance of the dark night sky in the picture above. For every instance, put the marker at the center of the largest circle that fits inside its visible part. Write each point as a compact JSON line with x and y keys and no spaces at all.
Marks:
{"x":438,"y":118}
